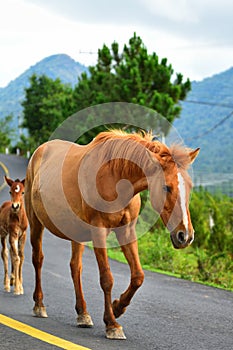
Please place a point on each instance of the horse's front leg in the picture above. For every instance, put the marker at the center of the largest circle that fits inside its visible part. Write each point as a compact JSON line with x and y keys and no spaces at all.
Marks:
{"x":15,"y":261}
{"x":130,"y":251}
{"x":4,"y":255}
{"x":83,"y":319}
{"x":113,"y":329}
{"x":22,"y":241}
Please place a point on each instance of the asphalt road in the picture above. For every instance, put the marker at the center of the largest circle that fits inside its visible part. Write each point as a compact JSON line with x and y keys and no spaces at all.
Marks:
{"x":166,"y":313}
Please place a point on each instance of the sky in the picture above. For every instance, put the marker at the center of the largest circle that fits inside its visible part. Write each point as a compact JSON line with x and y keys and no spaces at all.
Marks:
{"x":194,"y":35}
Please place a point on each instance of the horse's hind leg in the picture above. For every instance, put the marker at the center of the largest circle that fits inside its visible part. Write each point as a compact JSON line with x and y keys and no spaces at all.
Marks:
{"x":22,"y":241}
{"x":4,"y":255}
{"x":83,"y":319}
{"x":36,"y":234}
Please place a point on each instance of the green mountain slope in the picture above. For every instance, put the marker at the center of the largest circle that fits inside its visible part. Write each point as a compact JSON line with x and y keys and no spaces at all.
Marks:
{"x":204,"y":108}
{"x":56,"y":66}
{"x":207,"y":122}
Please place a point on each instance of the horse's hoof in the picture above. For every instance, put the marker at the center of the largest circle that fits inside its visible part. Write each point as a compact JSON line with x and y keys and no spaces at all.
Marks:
{"x":84,"y":321}
{"x":17,"y":292}
{"x":115,"y":333}
{"x":40,"y":311}
{"x":7,"y":289}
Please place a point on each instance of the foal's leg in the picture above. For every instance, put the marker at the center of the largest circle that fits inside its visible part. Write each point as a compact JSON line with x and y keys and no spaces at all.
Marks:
{"x":130,"y":251}
{"x":15,"y":260}
{"x":22,"y":241}
{"x":4,"y":255}
{"x":113,"y":329}
{"x":12,"y":280}
{"x":83,"y":319}
{"x":36,"y":232}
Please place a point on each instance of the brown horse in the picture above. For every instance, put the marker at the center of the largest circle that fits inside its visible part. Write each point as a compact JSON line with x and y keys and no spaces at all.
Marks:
{"x":13,"y":223}
{"x":81,"y":193}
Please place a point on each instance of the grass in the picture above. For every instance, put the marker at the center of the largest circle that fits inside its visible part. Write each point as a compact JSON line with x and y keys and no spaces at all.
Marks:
{"x":157,"y":255}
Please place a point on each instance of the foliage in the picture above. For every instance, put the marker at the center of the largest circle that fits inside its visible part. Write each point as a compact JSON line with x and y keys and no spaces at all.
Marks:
{"x":209,"y":259}
{"x":133,"y":76}
{"x":6,"y":133}
{"x":47,"y":103}
{"x":195,"y":118}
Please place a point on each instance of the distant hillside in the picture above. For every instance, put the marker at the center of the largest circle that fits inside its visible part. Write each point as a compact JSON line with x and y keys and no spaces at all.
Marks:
{"x":194,"y":125}
{"x":56,"y":66}
{"x":198,"y":123}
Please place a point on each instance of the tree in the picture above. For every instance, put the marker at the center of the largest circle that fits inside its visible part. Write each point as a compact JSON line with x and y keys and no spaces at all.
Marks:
{"x":6,"y":133}
{"x":132,"y":76}
{"x":47,"y":103}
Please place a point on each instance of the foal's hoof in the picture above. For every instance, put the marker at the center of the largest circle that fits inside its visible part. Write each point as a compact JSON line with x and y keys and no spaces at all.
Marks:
{"x":84,"y":321}
{"x":115,"y":333}
{"x":7,"y":289}
{"x":17,"y":292}
{"x":40,"y":311}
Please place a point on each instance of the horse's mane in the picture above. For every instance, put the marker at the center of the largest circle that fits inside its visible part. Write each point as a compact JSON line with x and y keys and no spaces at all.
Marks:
{"x":120,"y":144}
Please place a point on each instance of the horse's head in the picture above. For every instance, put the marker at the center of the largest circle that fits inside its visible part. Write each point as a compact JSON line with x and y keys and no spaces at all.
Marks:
{"x":16,"y":192}
{"x":170,"y":193}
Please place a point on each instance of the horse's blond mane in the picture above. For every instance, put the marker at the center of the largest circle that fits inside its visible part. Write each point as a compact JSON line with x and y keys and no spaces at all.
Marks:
{"x":120,"y":144}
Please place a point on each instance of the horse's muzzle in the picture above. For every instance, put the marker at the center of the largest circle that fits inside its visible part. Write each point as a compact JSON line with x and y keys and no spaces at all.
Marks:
{"x":15,"y":206}
{"x":181,"y":239}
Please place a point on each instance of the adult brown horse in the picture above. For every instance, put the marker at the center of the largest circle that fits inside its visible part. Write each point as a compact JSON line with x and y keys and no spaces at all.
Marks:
{"x":81,"y":193}
{"x":13,"y":224}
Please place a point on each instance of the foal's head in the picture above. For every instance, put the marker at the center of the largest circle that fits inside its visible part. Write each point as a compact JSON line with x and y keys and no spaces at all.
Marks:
{"x":170,"y":194}
{"x":16,"y":192}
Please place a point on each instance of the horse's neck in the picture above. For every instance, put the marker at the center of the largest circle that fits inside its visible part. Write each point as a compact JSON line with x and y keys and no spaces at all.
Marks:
{"x":137,"y":178}
{"x":140,"y":185}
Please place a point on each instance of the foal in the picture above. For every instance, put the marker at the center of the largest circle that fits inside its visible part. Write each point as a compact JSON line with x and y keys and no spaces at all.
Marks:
{"x":13,"y":223}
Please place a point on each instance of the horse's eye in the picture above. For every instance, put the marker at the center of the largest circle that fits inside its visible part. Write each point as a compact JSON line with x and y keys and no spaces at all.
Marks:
{"x":167,"y":189}
{"x":22,"y":192}
{"x":10,"y":192}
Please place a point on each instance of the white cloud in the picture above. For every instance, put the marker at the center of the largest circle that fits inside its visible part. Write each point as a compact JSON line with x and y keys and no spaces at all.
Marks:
{"x":179,"y":10}
{"x":195,"y":35}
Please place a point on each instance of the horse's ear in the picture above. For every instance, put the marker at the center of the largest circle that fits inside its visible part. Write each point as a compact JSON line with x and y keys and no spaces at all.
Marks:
{"x":23,"y":181}
{"x":193,"y":154}
{"x":8,"y":181}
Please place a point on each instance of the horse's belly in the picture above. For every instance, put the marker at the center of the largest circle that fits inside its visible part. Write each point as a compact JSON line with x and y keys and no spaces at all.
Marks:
{"x":60,"y":219}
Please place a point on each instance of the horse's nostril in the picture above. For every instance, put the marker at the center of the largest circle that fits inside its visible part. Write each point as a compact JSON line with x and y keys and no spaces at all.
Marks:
{"x":181,"y":237}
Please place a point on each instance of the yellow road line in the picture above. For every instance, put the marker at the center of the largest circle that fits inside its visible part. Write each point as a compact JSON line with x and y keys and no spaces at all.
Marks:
{"x":36,"y":333}
{"x":5,"y":169}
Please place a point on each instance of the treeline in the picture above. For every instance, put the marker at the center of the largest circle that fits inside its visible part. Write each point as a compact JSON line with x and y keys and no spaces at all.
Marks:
{"x":129,"y":75}
{"x":209,"y":259}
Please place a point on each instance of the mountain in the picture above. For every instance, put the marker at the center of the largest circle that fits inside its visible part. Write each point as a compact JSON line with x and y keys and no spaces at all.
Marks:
{"x":56,"y":66}
{"x":207,"y":122}
{"x":201,"y":123}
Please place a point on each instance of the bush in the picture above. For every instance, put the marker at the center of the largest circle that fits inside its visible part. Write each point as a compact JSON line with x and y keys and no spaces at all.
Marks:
{"x":210,"y":258}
